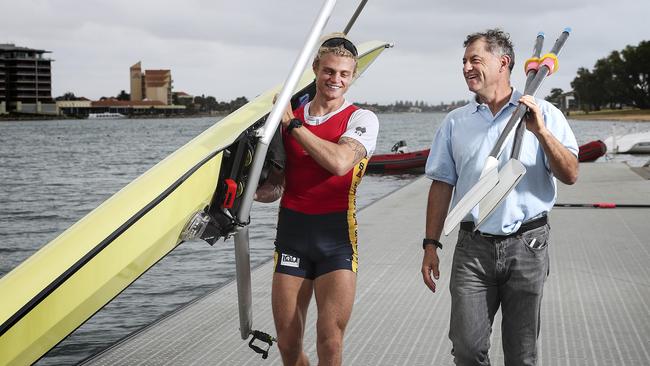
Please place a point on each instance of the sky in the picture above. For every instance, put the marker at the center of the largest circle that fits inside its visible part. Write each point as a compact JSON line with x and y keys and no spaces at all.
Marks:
{"x":238,"y":48}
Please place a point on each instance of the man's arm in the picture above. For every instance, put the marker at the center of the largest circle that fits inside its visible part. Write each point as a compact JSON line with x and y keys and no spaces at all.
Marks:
{"x":336,"y":158}
{"x":564,"y":164}
{"x":437,"y":207}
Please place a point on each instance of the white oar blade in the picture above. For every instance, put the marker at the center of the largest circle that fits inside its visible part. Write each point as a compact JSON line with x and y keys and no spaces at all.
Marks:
{"x":509,"y":176}
{"x":489,"y":179}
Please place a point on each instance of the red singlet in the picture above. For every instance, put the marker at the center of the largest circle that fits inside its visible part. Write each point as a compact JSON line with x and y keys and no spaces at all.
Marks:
{"x":310,"y":188}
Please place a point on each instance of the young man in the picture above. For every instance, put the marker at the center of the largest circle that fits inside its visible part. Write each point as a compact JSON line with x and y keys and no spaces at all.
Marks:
{"x":327,"y":143}
{"x":505,"y":264}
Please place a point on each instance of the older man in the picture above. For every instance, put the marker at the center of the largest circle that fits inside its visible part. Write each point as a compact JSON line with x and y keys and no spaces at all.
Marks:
{"x":505,"y":264}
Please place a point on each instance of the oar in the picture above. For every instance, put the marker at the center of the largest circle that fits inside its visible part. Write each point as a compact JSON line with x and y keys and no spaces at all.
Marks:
{"x":602,"y":205}
{"x":242,"y":250}
{"x":512,"y":172}
{"x":490,"y":176}
{"x":355,"y":16}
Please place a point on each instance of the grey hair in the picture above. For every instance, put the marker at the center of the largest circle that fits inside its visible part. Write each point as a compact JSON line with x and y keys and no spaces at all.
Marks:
{"x":497,"y":42}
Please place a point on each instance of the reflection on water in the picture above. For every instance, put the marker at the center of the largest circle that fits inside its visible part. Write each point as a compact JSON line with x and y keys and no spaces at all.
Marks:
{"x":54,"y":172}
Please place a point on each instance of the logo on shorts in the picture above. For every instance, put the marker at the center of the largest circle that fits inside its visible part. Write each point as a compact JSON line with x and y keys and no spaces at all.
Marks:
{"x":290,"y":261}
{"x":360,"y":130}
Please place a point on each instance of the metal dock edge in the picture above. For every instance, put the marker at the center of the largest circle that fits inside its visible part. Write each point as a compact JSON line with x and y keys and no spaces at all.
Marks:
{"x":596,"y":304}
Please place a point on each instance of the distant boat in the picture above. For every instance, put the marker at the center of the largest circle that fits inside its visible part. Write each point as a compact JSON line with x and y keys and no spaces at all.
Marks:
{"x":634,"y":143}
{"x":400,"y":161}
{"x":106,"y":115}
{"x":591,"y":151}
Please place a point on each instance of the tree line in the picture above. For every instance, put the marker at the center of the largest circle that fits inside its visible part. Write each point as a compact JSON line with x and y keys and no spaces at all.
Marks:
{"x":209,"y":104}
{"x":412,"y":106}
{"x":193,"y":105}
{"x":621,"y":79}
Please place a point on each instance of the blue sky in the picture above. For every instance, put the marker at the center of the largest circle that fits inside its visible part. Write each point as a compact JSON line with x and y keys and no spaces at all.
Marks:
{"x":233,"y":48}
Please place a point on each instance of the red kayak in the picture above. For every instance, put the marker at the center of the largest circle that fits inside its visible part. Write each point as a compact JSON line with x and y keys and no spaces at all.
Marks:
{"x":591,"y":151}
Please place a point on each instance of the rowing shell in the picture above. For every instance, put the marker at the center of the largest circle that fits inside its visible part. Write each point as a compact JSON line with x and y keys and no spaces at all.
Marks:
{"x":68,"y":280}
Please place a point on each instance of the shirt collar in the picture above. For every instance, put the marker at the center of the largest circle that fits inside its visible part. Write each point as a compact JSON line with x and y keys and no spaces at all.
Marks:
{"x":514,"y":101}
{"x":317,"y":120}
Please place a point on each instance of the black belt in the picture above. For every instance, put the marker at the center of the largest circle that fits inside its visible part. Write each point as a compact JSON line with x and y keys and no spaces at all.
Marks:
{"x":526,"y":226}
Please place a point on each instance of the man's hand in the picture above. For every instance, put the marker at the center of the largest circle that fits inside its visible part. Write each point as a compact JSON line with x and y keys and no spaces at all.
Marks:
{"x":563,"y":163}
{"x":288,"y":115}
{"x":430,"y":263}
{"x":534,"y":118}
{"x":272,"y":189}
{"x":267,"y":193}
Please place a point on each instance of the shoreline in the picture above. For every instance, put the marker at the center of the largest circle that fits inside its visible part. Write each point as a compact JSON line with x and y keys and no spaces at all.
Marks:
{"x":14,"y":118}
{"x":635,"y":115}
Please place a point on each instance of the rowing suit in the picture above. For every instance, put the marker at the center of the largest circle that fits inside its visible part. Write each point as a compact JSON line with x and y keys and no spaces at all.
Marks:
{"x":317,"y":225}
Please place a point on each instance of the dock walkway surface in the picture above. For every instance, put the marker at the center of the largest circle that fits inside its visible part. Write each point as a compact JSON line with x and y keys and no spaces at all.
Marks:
{"x":596,"y":307}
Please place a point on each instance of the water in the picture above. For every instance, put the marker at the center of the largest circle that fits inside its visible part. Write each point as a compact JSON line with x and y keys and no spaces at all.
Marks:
{"x":54,"y":172}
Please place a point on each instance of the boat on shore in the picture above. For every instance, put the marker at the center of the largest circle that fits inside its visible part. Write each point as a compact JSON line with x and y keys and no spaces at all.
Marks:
{"x":106,"y":115}
{"x":591,"y":151}
{"x":634,"y":143}
{"x":400,"y":160}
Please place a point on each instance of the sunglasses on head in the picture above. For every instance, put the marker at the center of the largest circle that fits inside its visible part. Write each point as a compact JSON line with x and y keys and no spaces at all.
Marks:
{"x":340,"y":41}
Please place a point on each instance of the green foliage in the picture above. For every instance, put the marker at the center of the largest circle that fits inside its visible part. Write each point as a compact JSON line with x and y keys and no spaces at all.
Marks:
{"x":210,"y":104}
{"x":67,"y":96}
{"x":620,"y":79}
{"x":401,"y":106}
{"x":123,"y":95}
{"x":556,"y":96}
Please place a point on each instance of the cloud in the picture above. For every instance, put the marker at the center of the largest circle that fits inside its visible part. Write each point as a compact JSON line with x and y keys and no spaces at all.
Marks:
{"x":233,"y":48}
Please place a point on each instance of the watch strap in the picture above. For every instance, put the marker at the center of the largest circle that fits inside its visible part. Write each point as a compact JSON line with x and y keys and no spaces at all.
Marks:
{"x":435,"y":242}
{"x":295,"y":122}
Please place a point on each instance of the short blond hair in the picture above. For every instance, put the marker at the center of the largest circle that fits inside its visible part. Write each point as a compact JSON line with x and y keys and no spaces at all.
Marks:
{"x":340,"y":50}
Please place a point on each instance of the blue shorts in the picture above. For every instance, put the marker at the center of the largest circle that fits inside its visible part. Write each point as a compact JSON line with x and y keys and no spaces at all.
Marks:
{"x":310,"y":246}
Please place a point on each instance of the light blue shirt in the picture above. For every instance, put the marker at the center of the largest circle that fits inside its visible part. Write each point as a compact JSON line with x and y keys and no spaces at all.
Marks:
{"x":462,"y":144}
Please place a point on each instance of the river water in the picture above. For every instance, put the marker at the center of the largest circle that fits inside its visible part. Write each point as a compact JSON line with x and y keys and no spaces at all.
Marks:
{"x":52,"y":173}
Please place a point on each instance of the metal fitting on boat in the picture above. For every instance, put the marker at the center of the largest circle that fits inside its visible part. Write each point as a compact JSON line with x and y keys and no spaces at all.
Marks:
{"x":195,"y":227}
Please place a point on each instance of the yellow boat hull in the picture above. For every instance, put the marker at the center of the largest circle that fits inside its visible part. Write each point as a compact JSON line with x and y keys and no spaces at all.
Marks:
{"x":71,"y":278}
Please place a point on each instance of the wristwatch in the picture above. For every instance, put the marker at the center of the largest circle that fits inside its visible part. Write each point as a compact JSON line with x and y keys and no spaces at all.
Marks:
{"x":435,"y":242}
{"x":294,"y":123}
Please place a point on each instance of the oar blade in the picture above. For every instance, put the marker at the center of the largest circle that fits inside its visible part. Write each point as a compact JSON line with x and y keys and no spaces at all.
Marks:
{"x":509,"y":175}
{"x":489,"y":179}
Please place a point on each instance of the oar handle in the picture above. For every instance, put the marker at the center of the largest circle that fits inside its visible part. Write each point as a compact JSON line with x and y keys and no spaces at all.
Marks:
{"x":537,"y":51}
{"x":354,"y":17}
{"x":544,"y":70}
{"x":530,"y":75}
{"x":530,"y":90}
{"x":559,"y":43}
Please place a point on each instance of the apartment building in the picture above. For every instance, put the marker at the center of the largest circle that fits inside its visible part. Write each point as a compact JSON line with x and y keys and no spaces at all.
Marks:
{"x":25,"y":79}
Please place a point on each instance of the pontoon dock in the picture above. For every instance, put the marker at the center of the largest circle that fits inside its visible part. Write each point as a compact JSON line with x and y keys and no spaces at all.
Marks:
{"x":596,"y":304}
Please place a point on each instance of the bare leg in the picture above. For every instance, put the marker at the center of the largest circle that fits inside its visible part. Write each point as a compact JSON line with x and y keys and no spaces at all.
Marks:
{"x":290,"y":300}
{"x":334,"y":299}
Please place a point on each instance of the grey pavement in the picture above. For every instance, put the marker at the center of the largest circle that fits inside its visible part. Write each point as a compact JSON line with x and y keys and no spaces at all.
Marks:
{"x":596,"y":308}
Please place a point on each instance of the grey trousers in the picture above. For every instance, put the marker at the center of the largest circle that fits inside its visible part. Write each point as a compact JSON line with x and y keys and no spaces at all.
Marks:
{"x":488,"y":273}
